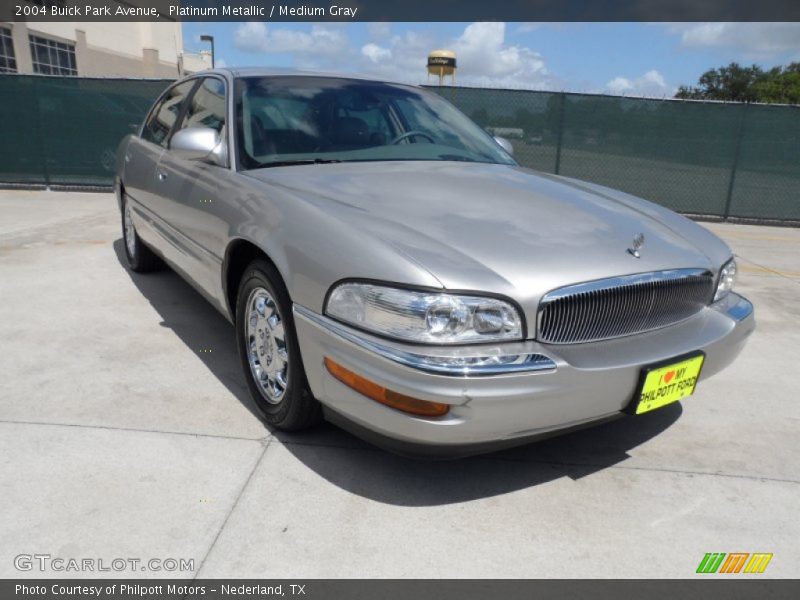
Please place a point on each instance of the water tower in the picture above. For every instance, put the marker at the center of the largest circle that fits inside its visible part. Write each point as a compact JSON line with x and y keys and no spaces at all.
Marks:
{"x":441,"y":63}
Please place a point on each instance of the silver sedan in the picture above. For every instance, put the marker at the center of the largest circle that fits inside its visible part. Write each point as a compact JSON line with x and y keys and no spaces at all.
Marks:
{"x":390,"y":267}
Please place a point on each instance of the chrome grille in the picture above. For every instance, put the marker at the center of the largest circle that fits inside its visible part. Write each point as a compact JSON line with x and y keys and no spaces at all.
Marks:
{"x":609,"y":308}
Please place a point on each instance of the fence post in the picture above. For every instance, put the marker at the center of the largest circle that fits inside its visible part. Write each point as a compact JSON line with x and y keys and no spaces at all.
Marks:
{"x":39,"y":128}
{"x":735,"y":163}
{"x":560,"y":132}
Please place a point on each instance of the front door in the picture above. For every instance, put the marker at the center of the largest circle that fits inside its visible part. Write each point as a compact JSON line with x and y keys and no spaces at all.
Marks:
{"x":189,"y":194}
{"x":142,"y":184}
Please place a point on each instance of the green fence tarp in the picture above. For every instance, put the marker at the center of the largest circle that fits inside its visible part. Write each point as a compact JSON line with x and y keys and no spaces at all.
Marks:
{"x":735,"y":160}
{"x":65,"y":130}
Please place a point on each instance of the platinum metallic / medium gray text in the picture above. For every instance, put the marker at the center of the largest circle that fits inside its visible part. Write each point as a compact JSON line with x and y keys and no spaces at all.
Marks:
{"x":254,"y":10}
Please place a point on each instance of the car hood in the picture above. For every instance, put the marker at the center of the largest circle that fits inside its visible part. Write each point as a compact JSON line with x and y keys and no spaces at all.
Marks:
{"x":499,"y":228}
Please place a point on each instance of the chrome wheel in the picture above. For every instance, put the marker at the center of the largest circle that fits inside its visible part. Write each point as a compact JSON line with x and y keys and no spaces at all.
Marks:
{"x":130,"y":232}
{"x":265,"y":341}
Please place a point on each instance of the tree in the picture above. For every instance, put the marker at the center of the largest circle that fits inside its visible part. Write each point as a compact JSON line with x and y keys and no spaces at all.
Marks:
{"x":781,"y":87}
{"x":736,"y":83}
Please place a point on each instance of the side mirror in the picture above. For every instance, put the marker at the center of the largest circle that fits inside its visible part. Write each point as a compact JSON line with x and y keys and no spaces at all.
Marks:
{"x":199,"y":143}
{"x":504,"y":144}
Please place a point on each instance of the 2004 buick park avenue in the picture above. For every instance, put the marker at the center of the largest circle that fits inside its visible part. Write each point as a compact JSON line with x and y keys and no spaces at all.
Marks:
{"x":390,"y":267}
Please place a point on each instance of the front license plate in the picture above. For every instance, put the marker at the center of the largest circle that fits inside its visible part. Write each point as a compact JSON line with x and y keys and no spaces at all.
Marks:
{"x":668,"y":384}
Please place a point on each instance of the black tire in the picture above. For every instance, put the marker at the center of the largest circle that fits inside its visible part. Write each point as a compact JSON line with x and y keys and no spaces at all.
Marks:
{"x":140,"y":258}
{"x":296,"y":408}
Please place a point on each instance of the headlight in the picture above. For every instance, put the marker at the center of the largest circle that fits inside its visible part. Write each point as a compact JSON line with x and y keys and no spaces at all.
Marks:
{"x":427,"y":317}
{"x":726,"y":281}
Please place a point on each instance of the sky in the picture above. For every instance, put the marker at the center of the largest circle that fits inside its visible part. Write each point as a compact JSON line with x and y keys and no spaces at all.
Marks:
{"x":633,"y":59}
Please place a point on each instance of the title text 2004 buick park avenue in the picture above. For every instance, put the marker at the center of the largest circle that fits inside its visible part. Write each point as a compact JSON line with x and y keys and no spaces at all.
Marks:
{"x":390,"y":267}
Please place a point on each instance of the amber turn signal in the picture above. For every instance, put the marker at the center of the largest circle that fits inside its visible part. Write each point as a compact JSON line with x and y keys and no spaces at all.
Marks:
{"x":414,"y":406}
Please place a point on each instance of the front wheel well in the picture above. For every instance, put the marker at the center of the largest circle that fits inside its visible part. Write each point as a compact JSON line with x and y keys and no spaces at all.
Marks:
{"x":240,"y":254}
{"x":120,"y":192}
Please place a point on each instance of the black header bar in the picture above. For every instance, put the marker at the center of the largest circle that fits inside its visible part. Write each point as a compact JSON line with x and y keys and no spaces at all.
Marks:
{"x":405,"y":10}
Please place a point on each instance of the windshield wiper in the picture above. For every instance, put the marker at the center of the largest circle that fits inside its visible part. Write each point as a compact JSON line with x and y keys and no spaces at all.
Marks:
{"x":301,"y":161}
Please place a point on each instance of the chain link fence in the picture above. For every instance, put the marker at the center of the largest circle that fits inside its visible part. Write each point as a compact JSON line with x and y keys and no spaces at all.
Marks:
{"x":704,"y":158}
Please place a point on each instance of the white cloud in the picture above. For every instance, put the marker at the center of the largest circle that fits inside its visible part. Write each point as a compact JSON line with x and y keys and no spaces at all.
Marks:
{"x":486,"y":59}
{"x":755,"y":40}
{"x":619,"y":85}
{"x":250,"y":37}
{"x":398,"y":57}
{"x":651,"y":83}
{"x":376,"y":53}
{"x":484,"y":56}
{"x":320,"y":40}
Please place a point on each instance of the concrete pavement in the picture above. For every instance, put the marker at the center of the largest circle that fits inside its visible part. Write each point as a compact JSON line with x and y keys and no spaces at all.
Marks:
{"x":126,"y":431}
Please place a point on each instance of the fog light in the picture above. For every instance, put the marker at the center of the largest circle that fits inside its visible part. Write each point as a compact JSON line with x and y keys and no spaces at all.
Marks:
{"x":372,"y":390}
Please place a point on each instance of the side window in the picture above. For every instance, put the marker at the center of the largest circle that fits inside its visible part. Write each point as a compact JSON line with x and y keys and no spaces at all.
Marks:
{"x":165,"y":113}
{"x":207,"y":106}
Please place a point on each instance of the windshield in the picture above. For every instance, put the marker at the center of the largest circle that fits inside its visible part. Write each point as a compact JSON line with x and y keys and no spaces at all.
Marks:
{"x":298,"y":120}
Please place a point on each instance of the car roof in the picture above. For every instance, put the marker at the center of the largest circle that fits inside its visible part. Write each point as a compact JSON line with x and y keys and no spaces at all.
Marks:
{"x":280,"y":72}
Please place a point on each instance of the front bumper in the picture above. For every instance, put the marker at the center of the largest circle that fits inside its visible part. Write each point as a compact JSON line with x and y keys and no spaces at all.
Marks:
{"x":591,"y":382}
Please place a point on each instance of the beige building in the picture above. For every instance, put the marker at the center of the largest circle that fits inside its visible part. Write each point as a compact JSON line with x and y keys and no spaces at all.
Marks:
{"x":97,"y":49}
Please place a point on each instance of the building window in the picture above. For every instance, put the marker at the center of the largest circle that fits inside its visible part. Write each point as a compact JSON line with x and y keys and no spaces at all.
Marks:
{"x":8,"y":61}
{"x":51,"y":57}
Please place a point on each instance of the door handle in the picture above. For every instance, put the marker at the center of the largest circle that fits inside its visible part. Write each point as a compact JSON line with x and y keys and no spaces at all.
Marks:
{"x":161,"y":175}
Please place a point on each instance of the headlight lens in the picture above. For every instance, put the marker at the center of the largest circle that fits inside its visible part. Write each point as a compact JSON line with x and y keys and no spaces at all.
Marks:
{"x":427,"y":317}
{"x":726,"y":281}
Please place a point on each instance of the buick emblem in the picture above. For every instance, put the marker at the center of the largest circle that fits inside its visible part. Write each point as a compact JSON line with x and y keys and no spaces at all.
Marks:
{"x":638,"y":242}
